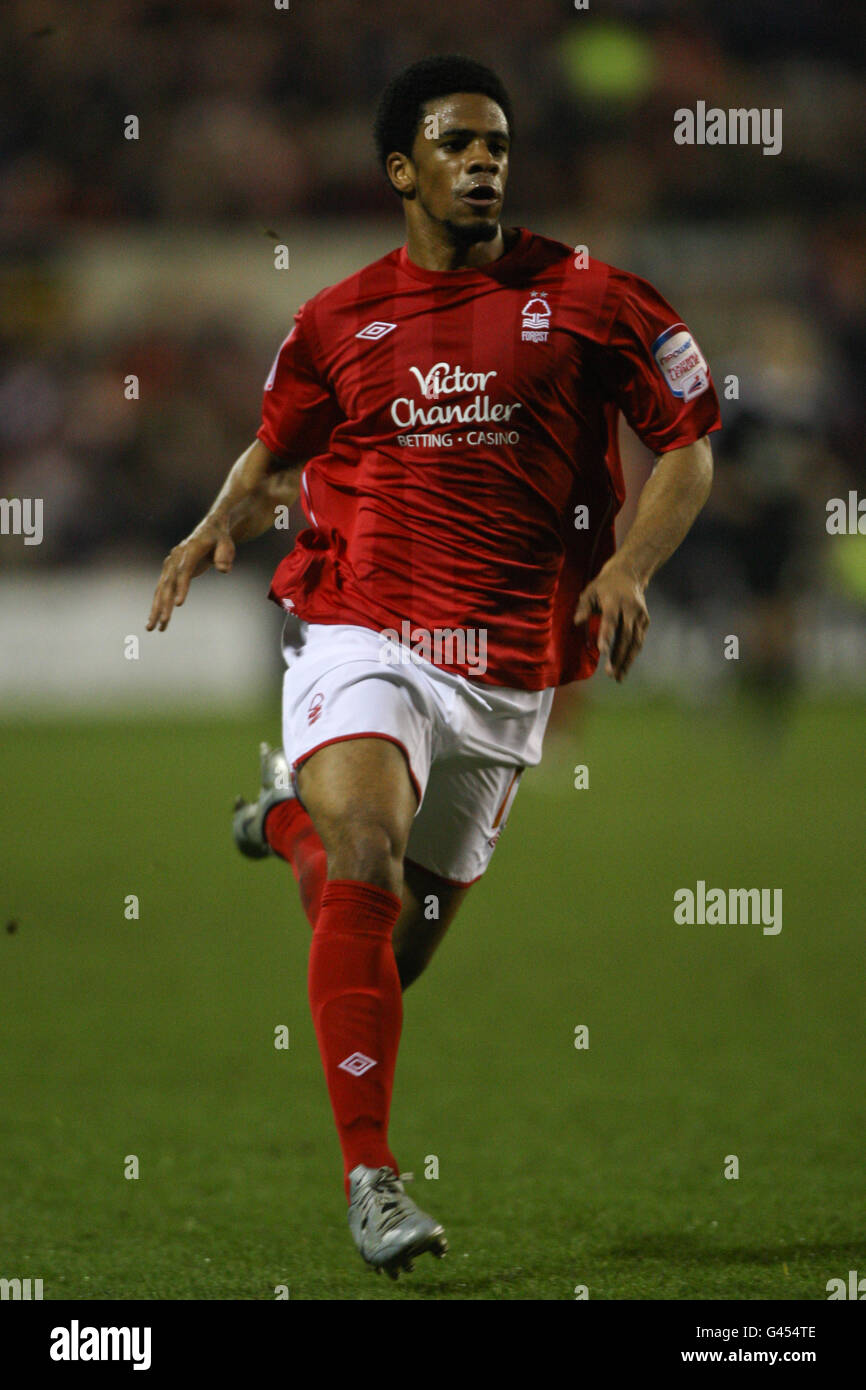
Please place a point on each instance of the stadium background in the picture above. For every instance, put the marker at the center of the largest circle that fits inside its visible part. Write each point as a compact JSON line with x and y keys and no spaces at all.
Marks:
{"x":154,"y":1036}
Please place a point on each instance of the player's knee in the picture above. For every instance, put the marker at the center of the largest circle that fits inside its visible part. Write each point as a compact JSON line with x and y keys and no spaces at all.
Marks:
{"x":367,"y":851}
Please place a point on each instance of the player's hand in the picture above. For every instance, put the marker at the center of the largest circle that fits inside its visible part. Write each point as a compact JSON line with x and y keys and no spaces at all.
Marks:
{"x":618,"y":596}
{"x":209,"y":544}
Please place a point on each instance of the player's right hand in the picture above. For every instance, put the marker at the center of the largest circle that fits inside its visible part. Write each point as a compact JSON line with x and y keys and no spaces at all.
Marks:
{"x":209,"y":544}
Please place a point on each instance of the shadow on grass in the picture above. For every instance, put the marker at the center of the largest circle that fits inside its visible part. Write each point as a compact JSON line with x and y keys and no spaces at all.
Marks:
{"x":693,"y":1249}
{"x":677,"y":1251}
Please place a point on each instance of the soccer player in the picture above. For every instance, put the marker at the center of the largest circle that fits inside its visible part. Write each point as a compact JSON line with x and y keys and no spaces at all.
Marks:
{"x":448,"y":417}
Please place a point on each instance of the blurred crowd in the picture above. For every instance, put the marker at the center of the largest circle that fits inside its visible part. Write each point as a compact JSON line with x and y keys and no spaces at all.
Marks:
{"x":252,"y":114}
{"x":121,"y":481}
{"x":258,"y":112}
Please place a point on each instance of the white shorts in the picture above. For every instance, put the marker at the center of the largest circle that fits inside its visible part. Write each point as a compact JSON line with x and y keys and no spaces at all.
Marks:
{"x":465,"y":744}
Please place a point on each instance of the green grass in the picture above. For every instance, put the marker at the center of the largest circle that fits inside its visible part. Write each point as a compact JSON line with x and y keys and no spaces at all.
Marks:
{"x":558,"y":1167}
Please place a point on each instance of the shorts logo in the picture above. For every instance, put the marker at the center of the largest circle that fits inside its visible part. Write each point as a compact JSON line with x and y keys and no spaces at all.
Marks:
{"x":375,"y":330}
{"x":536,"y":320}
{"x":504,"y":811}
{"x":356,"y":1064}
{"x":681,"y":362}
{"x":315,"y":707}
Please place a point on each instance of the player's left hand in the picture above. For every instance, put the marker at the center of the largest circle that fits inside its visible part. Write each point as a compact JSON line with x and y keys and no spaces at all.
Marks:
{"x":617,"y":595}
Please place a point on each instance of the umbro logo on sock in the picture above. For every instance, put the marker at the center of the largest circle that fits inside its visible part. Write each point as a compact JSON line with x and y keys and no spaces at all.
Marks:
{"x":356,"y":1064}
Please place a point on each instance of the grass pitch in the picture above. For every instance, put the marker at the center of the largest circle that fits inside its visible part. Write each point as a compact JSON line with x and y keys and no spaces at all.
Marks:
{"x":558,"y":1167}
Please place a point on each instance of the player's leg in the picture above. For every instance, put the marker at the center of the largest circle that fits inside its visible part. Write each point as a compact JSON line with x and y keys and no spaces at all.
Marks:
{"x":278,"y":824}
{"x":430,"y":904}
{"x":467,"y":801}
{"x":361,"y":734}
{"x":361,"y":800}
{"x":492,"y":737}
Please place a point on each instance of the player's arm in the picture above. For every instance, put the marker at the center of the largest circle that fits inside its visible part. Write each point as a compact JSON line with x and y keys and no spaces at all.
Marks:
{"x":671,"y":499}
{"x":258,"y":482}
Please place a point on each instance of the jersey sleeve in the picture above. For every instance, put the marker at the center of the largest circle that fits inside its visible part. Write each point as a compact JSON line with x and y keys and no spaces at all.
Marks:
{"x":299,"y":410}
{"x":654,"y":370}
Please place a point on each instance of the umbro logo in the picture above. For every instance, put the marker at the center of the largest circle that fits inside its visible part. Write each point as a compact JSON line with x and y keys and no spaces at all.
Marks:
{"x":376,"y":330}
{"x":356,"y":1064}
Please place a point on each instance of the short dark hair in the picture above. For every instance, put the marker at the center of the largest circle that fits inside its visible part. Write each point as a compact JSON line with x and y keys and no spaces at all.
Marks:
{"x":400,"y":107}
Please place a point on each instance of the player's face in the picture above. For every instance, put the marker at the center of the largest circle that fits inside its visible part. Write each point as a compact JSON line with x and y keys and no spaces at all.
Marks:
{"x":459,"y":165}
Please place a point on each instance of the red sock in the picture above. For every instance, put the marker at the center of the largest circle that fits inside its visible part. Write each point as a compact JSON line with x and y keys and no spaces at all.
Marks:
{"x":290,"y":834}
{"x":357,"y":1009}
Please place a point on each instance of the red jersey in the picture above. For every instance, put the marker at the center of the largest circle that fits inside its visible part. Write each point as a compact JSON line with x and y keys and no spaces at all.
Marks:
{"x":460,"y":428}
